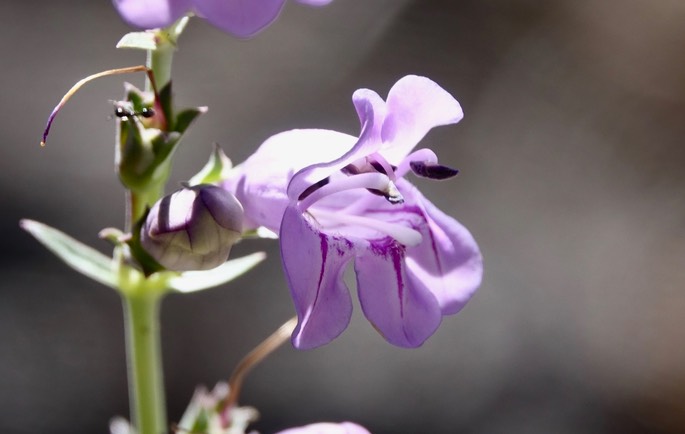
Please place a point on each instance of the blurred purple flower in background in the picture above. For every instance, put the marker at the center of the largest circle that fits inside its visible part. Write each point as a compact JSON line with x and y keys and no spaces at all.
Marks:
{"x":327,"y":428}
{"x":241,"y":18}
{"x":346,"y":199}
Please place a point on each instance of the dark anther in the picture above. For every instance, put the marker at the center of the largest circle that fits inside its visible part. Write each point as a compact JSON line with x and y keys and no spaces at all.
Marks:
{"x":432,"y":171}
{"x":393,"y":199}
{"x":312,"y":188}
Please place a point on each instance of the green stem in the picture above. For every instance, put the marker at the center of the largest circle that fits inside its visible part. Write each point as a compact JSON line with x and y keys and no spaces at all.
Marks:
{"x":159,"y":61}
{"x":139,"y":202}
{"x":146,"y":386}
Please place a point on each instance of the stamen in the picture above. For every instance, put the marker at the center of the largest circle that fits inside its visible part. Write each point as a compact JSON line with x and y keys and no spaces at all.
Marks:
{"x":372,"y":162}
{"x":432,"y":171}
{"x":80,"y":83}
{"x":391,"y":193}
{"x":424,"y":155}
{"x":364,"y":180}
{"x":406,"y":236}
{"x":381,"y":164}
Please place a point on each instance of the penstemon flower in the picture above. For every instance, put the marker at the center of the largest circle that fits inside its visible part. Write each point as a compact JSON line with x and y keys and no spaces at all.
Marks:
{"x":327,"y":428}
{"x":242,"y":18}
{"x":346,"y":200}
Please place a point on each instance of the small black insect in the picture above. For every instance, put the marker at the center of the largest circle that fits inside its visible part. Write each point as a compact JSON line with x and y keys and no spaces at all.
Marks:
{"x":122,"y":112}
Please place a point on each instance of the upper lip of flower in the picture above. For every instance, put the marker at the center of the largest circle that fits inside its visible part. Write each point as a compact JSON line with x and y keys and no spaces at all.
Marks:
{"x":364,"y":166}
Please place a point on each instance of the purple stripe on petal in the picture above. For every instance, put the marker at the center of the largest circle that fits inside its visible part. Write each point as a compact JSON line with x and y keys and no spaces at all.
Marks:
{"x":324,"y":255}
{"x":400,"y":307}
{"x":314,"y":265}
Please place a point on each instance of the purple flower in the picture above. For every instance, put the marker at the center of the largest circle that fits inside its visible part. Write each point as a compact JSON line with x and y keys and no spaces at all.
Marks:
{"x":242,"y":18}
{"x":327,"y":428}
{"x":193,"y":228}
{"x":346,"y":201}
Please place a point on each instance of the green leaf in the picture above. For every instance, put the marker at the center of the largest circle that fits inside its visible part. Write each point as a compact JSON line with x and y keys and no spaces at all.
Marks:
{"x":75,"y":254}
{"x":139,"y":40}
{"x":192,"y":281}
{"x":215,"y":170}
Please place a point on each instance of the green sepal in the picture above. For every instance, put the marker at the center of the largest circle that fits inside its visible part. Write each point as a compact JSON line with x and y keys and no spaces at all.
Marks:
{"x":145,"y":146}
{"x":166,"y":102}
{"x":260,"y":232}
{"x":75,"y":254}
{"x":114,"y":235}
{"x":154,"y":39}
{"x":139,"y":40}
{"x":175,"y":30}
{"x":192,"y":281}
{"x":216,"y":169}
{"x":148,"y":264}
{"x":186,"y":117}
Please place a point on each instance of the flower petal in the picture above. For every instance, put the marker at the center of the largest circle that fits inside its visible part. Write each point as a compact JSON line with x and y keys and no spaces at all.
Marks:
{"x":448,"y":260}
{"x":400,"y":306}
{"x":315,"y":2}
{"x":314,"y":264}
{"x":260,"y":182}
{"x":371,"y":110}
{"x":151,"y":14}
{"x":415,"y":105}
{"x":242,"y":18}
{"x":327,"y":428}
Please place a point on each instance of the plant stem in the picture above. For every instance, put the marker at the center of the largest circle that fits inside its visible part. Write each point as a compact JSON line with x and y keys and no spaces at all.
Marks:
{"x":139,"y":201}
{"x":146,"y":387}
{"x":159,"y":61}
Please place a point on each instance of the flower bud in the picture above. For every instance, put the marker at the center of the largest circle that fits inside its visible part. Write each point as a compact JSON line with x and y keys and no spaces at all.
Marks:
{"x":193,"y":228}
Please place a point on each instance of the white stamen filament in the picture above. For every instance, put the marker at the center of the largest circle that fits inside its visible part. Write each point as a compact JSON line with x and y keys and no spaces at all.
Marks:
{"x":404,"y":235}
{"x":375,"y":180}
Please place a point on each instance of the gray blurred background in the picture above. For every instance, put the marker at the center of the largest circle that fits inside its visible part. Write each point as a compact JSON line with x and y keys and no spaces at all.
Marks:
{"x":571,"y":156}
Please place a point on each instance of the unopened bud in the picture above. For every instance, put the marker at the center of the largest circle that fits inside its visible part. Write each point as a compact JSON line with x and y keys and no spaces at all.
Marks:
{"x":193,"y":228}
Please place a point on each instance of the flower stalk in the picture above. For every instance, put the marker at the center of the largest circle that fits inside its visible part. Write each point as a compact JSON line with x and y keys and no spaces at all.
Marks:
{"x":142,"y":302}
{"x":146,"y":386}
{"x":138,"y":202}
{"x":252,"y":359}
